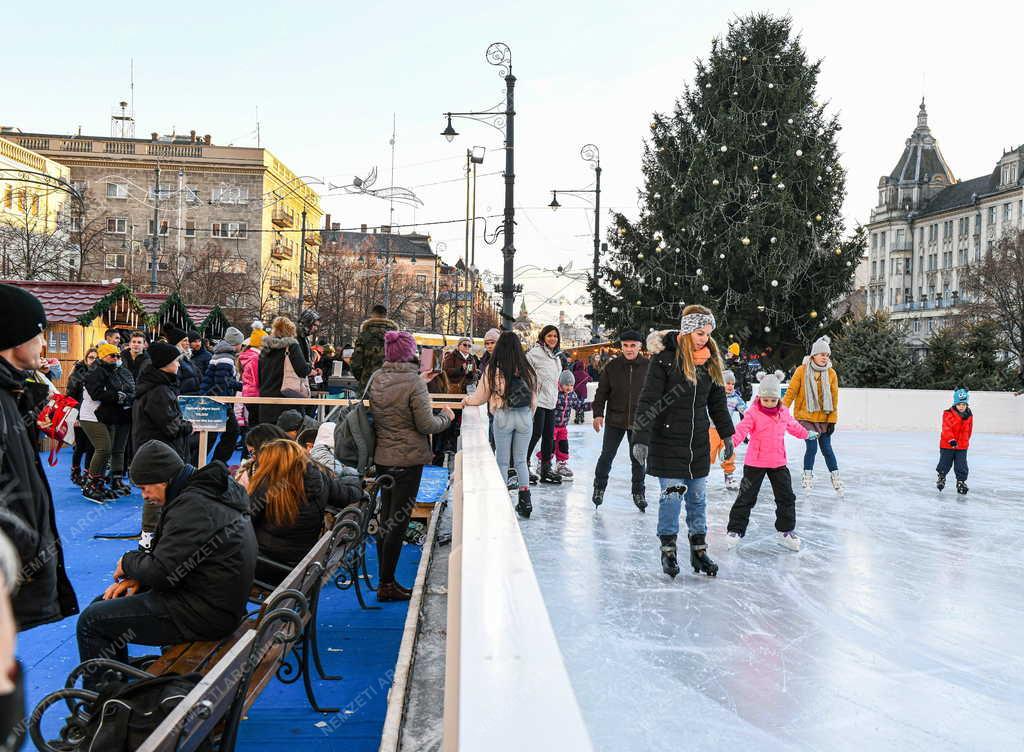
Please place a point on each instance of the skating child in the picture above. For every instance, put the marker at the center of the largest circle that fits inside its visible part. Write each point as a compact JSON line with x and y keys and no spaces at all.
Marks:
{"x":736,"y":408}
{"x":567,"y":401}
{"x":957,"y":424}
{"x":813,"y":395}
{"x":767,"y":422}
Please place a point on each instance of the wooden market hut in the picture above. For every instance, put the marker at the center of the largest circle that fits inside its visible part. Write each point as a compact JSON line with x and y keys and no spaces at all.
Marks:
{"x":79,"y":313}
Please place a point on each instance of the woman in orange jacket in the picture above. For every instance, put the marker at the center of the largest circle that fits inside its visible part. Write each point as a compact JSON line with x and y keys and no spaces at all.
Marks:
{"x":813,"y":396}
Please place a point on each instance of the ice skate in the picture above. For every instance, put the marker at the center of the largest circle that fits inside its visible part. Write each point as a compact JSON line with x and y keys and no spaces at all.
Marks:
{"x":598,"y":497}
{"x":731,"y":484}
{"x":564,"y":471}
{"x":807,"y":480}
{"x":669,"y":562}
{"x":941,"y":482}
{"x":640,"y":500}
{"x":961,"y":488}
{"x":837,"y":484}
{"x":77,"y":477}
{"x":789,"y":540}
{"x":533,"y":476}
{"x":699,"y":559}
{"x":512,"y":480}
{"x":119,"y":487}
{"x":525,"y":505}
{"x":95,"y":489}
{"x":547,"y":475}
{"x":732,"y":540}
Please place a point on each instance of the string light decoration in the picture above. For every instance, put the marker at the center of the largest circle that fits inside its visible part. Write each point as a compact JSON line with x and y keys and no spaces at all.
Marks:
{"x":748,"y":187}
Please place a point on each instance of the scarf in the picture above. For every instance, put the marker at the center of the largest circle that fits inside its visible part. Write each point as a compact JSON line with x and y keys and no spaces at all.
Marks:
{"x":773,"y":411}
{"x":811,"y":390}
{"x":701,"y":356}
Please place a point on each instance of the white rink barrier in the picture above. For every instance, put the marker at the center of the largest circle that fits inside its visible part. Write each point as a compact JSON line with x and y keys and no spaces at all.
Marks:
{"x":921,"y":410}
{"x":506,"y":686}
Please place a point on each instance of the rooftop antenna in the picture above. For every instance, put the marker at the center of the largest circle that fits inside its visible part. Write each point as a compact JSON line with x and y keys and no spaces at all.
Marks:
{"x":122,"y":121}
{"x":257,"y":126}
{"x":391,"y":211}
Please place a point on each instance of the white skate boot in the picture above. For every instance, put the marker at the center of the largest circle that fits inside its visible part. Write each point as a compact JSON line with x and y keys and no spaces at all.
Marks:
{"x":807,"y":480}
{"x":837,"y":484}
{"x":731,"y":484}
{"x":790,"y":541}
{"x":563,"y":470}
{"x":732,"y":540}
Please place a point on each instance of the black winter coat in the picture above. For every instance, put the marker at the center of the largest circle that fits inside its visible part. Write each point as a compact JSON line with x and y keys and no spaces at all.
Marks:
{"x":201,"y":359}
{"x":273,"y":351}
{"x":76,"y":381}
{"x":673,"y":417}
{"x":156,"y":414}
{"x":134,"y":365}
{"x":288,"y":544}
{"x":618,"y":391}
{"x":114,"y":388}
{"x":204,"y":553}
{"x":26,"y":507}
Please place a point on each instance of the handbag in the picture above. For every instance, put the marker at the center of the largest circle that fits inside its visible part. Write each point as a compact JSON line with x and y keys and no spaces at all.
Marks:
{"x":57,"y":420}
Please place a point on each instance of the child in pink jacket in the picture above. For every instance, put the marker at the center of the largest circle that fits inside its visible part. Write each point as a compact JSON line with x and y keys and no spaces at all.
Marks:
{"x":766,"y":422}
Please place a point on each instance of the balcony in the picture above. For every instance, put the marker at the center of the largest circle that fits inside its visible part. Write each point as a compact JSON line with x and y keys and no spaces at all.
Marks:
{"x":282,"y":216}
{"x":899,"y":247}
{"x":313,"y":239}
{"x":282,"y":251}
{"x":281,"y":284}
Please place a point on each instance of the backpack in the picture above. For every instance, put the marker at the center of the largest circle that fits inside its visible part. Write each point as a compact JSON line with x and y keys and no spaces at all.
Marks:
{"x":517,"y":393}
{"x":57,"y":420}
{"x":355,"y":439}
{"x":127,"y":712}
{"x":293,"y":385}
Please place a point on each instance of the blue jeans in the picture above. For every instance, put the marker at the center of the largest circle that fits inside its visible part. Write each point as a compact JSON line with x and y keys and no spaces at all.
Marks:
{"x":513,"y":428}
{"x":671,"y":501}
{"x":825,"y":442}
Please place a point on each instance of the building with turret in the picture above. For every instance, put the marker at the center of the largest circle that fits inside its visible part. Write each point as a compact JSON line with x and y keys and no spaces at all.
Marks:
{"x":928,"y":226}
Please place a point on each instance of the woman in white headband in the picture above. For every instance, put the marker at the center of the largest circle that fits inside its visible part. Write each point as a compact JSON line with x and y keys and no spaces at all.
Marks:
{"x":684,"y":385}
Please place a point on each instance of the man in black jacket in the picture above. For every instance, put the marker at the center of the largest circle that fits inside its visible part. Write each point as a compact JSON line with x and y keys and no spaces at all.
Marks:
{"x":195,"y":582}
{"x":26,"y":506}
{"x":200,"y":355}
{"x":618,"y":393}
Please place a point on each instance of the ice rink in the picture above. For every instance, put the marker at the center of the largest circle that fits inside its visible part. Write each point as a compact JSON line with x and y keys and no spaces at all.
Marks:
{"x":898,"y":626}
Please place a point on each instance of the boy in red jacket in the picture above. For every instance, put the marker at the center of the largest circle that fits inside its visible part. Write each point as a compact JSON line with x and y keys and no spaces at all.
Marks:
{"x":957,"y":424}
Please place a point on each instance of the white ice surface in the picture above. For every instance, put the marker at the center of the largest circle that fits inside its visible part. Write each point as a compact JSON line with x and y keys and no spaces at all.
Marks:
{"x":899,"y":625}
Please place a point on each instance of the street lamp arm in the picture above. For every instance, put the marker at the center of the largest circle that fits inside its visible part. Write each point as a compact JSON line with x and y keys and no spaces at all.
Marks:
{"x":493,"y":117}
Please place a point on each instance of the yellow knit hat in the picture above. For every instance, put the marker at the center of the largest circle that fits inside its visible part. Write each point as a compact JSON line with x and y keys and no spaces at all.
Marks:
{"x":734,"y":349}
{"x":106,"y":349}
{"x":256,"y":338}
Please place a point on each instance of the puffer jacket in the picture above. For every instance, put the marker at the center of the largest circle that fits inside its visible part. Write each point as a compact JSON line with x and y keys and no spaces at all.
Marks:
{"x":796,"y":396}
{"x":956,"y":426}
{"x":204,"y":553}
{"x":672,"y":416}
{"x":114,"y":388}
{"x":767,"y":435}
{"x":402,"y":416}
{"x":189,"y":378}
{"x":548,"y":366}
{"x":221,"y":375}
{"x":249,"y":362}
{"x":156,"y":414}
{"x":618,"y":390}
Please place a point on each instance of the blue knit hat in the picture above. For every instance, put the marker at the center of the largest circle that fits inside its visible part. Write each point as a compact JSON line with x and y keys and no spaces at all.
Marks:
{"x":960,"y":394}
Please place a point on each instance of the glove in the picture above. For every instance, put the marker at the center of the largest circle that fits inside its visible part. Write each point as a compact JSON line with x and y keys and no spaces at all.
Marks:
{"x":812,"y":435}
{"x":121,"y":398}
{"x":727,"y":448}
{"x":640,"y":453}
{"x":952,"y":442}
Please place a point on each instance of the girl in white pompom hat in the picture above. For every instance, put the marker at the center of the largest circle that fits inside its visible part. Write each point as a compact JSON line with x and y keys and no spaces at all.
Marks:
{"x":813,"y":397}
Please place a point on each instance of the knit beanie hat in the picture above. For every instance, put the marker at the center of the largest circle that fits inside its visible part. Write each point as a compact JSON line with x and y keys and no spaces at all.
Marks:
{"x":161,"y":354}
{"x":289,"y":420}
{"x":399,"y":347}
{"x":106,"y":349}
{"x":256,"y":339}
{"x":155,"y":462}
{"x":734,"y":349}
{"x":728,"y":377}
{"x":960,"y":394}
{"x":565,"y":378}
{"x":492,"y":335}
{"x":22,"y":314}
{"x":770,"y":386}
{"x":821,"y":345}
{"x":234,"y":336}
{"x":175,"y":335}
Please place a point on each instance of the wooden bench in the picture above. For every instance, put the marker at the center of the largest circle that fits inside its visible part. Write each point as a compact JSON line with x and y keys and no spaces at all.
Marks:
{"x":236,"y":669}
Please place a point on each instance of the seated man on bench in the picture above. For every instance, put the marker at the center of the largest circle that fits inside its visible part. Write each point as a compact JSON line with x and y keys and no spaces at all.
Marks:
{"x":194,"y":582}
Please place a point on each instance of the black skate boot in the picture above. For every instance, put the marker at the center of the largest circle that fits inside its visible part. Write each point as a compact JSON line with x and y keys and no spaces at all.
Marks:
{"x":77,"y":477}
{"x":941,"y":482}
{"x":547,"y":475}
{"x":961,"y":488}
{"x":533,"y":476}
{"x":598,"y":497}
{"x":94,"y":489}
{"x":512,"y":481}
{"x":640,"y":499}
{"x":669,"y":562}
{"x":119,"y":487}
{"x":699,"y":559}
{"x":525,"y":506}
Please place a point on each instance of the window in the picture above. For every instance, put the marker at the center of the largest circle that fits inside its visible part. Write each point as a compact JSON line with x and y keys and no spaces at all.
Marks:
{"x":900,"y":235}
{"x":80,"y":186}
{"x":1007,"y":212}
{"x":991,"y":215}
{"x":229,"y":229}
{"x":933,"y":233}
{"x":190,"y":228}
{"x":230,"y":194}
{"x":57,"y":342}
{"x":977,"y":250}
{"x":117,"y":225}
{"x":977,"y":223}
{"x":166,"y":190}
{"x":114,"y":261}
{"x":161,"y":264}
{"x":874,"y":241}
{"x":164,"y":227}
{"x":191,"y":195}
{"x":881,"y":241}
{"x":117,"y":190}
{"x":881,"y":268}
{"x":1009,"y":173}
{"x":910,"y":266}
{"x":234,"y":266}
{"x":8,"y":197}
{"x":421,"y":283}
{"x":75,"y":224}
{"x":874,"y":269}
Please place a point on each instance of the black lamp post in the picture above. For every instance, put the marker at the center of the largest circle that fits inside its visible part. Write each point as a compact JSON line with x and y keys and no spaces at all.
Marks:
{"x":589,"y":153}
{"x":499,"y":55}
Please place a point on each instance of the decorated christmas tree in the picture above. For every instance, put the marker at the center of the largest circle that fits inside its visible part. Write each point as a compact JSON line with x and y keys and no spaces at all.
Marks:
{"x":740,"y":208}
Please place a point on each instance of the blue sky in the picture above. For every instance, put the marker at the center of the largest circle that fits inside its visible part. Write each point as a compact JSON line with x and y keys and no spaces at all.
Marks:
{"x":327,"y":77}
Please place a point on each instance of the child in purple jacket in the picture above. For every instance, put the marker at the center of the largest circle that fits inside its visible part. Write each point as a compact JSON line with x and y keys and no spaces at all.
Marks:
{"x":766,"y":422}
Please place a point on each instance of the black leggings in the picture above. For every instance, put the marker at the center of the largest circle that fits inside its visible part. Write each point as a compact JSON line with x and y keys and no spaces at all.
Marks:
{"x":544,"y":432}
{"x":395,"y":512}
{"x":83,"y":449}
